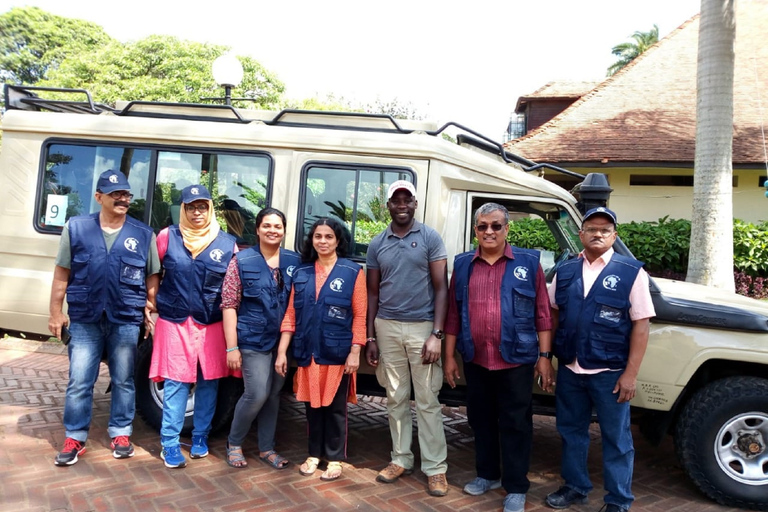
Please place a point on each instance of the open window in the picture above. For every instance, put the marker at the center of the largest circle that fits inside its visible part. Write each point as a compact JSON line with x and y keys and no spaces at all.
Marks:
{"x":534,"y":223}
{"x":355,"y":195}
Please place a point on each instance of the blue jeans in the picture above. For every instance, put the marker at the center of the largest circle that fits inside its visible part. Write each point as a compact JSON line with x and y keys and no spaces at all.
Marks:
{"x":260,"y":400}
{"x":89,"y":341}
{"x":175,"y":395}
{"x":576,"y":395}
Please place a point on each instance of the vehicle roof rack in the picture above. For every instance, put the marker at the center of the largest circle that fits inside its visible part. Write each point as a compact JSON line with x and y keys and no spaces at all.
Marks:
{"x":189,"y":111}
{"x":21,"y":97}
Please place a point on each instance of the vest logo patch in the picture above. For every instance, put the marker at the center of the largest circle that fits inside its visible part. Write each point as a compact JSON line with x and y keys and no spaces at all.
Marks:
{"x":216,"y":255}
{"x":113,"y":178}
{"x":290,"y":270}
{"x":131,"y":244}
{"x":521,"y":273}
{"x":336,"y":284}
{"x":611,"y":282}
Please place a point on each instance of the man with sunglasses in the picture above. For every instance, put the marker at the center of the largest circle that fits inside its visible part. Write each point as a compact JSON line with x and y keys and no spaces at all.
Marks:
{"x":499,"y":321}
{"x":107,"y":266}
{"x":601,"y":306}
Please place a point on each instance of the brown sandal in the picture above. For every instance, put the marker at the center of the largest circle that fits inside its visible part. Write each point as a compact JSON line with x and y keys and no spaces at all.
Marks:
{"x":309,"y":466}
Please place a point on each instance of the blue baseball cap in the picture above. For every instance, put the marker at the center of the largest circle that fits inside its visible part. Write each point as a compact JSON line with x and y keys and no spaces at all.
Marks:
{"x":602,"y":210}
{"x":194,"y":193}
{"x":111,"y":181}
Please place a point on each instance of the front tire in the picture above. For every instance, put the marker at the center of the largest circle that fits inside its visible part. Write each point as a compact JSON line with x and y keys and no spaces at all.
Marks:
{"x":721,"y":439}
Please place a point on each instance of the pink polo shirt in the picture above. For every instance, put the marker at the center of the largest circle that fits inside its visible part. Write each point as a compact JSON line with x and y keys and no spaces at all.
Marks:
{"x":641,"y":305}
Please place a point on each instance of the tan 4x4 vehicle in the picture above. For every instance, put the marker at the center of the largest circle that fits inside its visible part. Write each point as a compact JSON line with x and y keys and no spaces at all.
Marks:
{"x":705,"y":376}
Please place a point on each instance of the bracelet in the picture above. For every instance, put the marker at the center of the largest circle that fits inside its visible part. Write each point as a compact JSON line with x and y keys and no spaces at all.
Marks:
{"x":368,"y":340}
{"x":232,"y":349}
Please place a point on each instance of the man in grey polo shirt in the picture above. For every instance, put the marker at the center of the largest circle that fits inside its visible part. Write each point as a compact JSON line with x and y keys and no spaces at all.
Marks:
{"x":407,"y":304}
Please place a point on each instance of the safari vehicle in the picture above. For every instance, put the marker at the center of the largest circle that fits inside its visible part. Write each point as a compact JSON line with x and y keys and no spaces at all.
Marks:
{"x":704,"y":379}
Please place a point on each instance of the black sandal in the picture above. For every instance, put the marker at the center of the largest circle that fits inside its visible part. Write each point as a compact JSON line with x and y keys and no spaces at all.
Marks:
{"x":278,"y":462}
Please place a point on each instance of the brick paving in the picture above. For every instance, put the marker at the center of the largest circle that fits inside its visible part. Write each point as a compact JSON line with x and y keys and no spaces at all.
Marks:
{"x":33,"y":378}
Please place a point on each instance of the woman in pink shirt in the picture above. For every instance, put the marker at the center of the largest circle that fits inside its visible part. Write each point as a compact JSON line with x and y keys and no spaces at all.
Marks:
{"x":189,"y":346}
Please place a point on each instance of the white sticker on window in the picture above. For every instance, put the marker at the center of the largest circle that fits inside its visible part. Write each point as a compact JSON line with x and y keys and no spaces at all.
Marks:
{"x":56,"y":210}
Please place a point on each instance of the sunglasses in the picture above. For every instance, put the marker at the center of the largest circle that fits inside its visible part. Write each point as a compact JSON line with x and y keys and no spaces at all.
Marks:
{"x":484,"y":227}
{"x":202,"y":208}
{"x":278,"y":278}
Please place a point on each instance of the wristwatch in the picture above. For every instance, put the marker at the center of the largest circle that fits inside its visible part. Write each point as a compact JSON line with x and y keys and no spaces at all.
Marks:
{"x":548,"y":355}
{"x":438,"y":333}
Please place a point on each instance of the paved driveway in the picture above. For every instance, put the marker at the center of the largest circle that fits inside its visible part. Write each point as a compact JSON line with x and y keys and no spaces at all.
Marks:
{"x":33,"y":379}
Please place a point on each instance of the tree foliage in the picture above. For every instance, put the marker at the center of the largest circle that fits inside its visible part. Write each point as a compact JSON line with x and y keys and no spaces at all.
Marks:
{"x":627,"y":52}
{"x":34,"y":42}
{"x":161,"y":68}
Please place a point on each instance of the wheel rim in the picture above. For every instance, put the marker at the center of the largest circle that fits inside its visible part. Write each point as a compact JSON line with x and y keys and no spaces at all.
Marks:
{"x":740,"y":448}
{"x":157,"y":391}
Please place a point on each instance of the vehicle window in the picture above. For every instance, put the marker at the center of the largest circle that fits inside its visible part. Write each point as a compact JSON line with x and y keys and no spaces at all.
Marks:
{"x":69,"y":180}
{"x":546,"y":227}
{"x":355,"y":195}
{"x":238,"y":185}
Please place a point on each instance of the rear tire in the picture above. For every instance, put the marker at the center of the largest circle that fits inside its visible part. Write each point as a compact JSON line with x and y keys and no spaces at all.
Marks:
{"x":721,"y":439}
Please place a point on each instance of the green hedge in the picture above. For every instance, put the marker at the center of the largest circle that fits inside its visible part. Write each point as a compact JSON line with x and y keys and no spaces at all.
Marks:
{"x":663,"y":245}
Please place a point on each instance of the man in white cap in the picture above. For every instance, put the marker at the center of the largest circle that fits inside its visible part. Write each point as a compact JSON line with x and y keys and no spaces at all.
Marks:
{"x":407,"y":304}
{"x":107,"y":267}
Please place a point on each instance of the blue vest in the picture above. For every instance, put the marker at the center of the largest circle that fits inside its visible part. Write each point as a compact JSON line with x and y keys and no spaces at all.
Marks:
{"x":263,"y":304}
{"x":192,"y":287}
{"x":519,"y":341}
{"x":111,"y":282}
{"x":324,"y":326}
{"x":595,"y":328}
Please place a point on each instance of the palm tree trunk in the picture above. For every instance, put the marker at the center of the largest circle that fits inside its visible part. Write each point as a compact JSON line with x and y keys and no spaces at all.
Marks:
{"x":711,"y":252}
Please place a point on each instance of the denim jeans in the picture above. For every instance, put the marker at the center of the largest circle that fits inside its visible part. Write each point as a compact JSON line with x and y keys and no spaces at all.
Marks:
{"x":260,"y":400}
{"x":576,"y":395}
{"x":175,"y":395}
{"x":89,"y":341}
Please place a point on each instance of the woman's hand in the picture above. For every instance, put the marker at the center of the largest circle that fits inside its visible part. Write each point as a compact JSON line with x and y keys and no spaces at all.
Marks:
{"x":281,"y":364}
{"x":353,"y":360}
{"x":234,"y":360}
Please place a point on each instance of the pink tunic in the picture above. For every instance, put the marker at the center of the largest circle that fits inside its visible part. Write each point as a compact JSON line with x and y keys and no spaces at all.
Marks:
{"x":178,"y":348}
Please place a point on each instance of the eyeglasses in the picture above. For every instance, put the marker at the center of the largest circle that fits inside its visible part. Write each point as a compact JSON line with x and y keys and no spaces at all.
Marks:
{"x":202,"y":208}
{"x":278,"y":278}
{"x":484,"y":227}
{"x":600,"y":231}
{"x":120,"y":194}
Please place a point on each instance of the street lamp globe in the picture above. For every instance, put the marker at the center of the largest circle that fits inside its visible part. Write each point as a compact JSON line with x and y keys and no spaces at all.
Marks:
{"x":227,"y":70}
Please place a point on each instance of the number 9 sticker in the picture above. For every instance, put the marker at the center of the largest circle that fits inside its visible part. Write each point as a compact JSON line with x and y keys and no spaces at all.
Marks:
{"x":56,"y":210}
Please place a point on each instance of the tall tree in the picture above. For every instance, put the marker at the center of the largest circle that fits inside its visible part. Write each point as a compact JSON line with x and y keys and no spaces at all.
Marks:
{"x":711,"y":251}
{"x":161,"y":68}
{"x":34,"y":42}
{"x":627,"y":52}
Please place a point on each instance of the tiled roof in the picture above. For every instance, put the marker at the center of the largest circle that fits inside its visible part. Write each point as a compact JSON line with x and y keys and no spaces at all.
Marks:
{"x":557,"y":90}
{"x":647,"y":111}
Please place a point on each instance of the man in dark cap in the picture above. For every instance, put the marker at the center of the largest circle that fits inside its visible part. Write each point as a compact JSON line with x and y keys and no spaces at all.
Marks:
{"x":107,"y":266}
{"x":601,"y":307}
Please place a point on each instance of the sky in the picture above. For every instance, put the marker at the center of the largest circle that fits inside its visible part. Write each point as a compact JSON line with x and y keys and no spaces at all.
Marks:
{"x":461,"y":61}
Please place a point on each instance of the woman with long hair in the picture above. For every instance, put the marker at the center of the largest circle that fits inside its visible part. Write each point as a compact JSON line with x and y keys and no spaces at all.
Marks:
{"x":254,"y":299}
{"x":189,"y":346}
{"x":325,"y":321}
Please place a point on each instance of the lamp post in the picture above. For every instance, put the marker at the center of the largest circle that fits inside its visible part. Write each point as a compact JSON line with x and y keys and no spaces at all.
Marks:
{"x":228,"y":73}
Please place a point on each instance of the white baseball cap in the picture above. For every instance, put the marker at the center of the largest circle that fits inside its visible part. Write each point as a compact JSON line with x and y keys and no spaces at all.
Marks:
{"x":400,"y":185}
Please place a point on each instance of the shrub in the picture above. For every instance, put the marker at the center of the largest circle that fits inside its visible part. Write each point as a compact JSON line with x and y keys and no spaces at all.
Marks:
{"x":662,"y":245}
